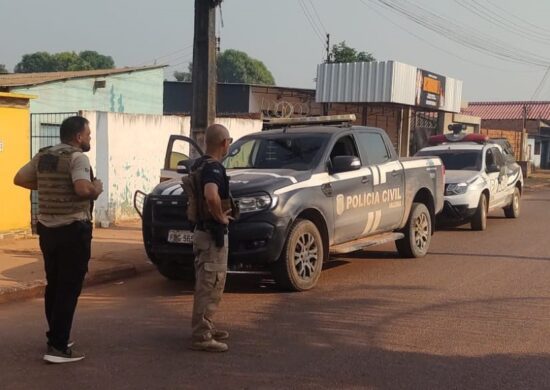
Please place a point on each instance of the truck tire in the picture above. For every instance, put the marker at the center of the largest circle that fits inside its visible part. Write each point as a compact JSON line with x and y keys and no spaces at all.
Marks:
{"x":513,"y":209}
{"x":479,"y":220}
{"x":301,"y":262}
{"x":418,"y":233}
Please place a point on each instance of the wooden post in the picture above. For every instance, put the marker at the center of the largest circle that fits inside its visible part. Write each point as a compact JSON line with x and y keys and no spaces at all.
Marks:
{"x":203,"y":112}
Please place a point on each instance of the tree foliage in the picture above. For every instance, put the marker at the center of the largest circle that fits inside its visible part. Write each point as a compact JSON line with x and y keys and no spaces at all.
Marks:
{"x":184,"y":76}
{"x":235,"y":66}
{"x":65,"y":61}
{"x":3,"y":69}
{"x":343,"y":53}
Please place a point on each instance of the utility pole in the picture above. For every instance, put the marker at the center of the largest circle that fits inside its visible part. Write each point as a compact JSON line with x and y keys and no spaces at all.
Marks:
{"x":203,"y":111}
{"x":523,"y":132}
{"x":325,"y":106}
{"x":328,"y":49}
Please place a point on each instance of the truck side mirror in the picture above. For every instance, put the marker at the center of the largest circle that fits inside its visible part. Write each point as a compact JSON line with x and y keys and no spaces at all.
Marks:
{"x":183,"y":167}
{"x":345,"y":164}
{"x":493,"y":168}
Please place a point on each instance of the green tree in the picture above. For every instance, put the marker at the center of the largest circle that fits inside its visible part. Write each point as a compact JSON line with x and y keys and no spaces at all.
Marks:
{"x":343,"y":53}
{"x":235,"y":66}
{"x":184,"y":76}
{"x":37,"y":62}
{"x":64,"y":61}
{"x":96,"y":60}
{"x":3,"y":69}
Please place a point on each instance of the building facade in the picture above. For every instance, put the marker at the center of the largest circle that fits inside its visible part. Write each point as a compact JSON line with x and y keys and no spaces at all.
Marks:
{"x":15,"y":208}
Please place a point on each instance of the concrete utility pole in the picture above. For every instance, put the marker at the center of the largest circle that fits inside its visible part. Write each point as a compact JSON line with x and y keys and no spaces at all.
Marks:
{"x":204,"y":69}
{"x":522,"y":154}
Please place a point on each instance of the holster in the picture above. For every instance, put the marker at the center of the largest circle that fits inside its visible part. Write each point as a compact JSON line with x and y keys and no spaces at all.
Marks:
{"x":230,"y":204}
{"x":218,"y":232}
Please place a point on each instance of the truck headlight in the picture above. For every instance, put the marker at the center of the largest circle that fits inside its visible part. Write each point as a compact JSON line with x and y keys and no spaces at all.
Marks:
{"x":456,"y":189}
{"x":249,"y":204}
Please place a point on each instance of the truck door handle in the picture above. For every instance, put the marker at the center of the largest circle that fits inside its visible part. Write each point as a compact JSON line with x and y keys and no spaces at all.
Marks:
{"x":365,"y":179}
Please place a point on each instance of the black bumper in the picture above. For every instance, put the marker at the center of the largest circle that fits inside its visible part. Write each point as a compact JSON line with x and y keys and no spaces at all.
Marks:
{"x":456,"y":212}
{"x":255,"y":240}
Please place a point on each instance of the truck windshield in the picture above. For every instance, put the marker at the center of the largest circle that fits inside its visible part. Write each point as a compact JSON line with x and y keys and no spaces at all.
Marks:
{"x":288,"y":151}
{"x":457,"y":160}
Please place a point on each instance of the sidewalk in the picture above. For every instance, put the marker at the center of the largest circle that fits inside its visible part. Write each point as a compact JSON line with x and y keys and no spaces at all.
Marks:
{"x":538,"y":179}
{"x":117,"y":253}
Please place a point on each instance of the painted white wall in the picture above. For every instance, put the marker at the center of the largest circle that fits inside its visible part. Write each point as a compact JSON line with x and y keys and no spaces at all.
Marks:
{"x":128,"y":153}
{"x":535,"y":158}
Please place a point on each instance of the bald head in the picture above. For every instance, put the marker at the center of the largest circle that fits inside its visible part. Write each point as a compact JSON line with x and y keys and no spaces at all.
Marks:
{"x":215,"y":135}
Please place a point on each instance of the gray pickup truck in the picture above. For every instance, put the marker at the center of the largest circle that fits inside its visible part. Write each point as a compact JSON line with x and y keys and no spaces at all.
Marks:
{"x":304,"y":192}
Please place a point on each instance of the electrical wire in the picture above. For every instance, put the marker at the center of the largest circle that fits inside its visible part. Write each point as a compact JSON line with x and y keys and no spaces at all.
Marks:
{"x":465,"y":35}
{"x":427,"y":42}
{"x":318,"y":17}
{"x":541,"y":85}
{"x":311,"y":22}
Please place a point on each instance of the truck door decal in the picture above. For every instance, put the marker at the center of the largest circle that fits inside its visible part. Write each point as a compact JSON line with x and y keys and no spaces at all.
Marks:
{"x":373,"y":221}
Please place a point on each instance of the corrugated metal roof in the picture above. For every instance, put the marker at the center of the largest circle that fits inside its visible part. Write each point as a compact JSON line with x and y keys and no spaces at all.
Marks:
{"x":11,"y":80}
{"x":509,"y":110}
{"x":380,"y":82}
{"x":354,"y":82}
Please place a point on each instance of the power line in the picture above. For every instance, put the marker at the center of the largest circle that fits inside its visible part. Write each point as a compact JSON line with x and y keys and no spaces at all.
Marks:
{"x":427,"y":42}
{"x":487,"y":14}
{"x":318,"y":17}
{"x":465,"y":35}
{"x":311,"y":23}
{"x":186,"y":48}
{"x":503,"y":10}
{"x":541,"y":84}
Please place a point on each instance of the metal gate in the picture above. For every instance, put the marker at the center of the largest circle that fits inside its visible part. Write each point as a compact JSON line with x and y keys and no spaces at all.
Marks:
{"x":423,"y":125}
{"x":44,"y":132}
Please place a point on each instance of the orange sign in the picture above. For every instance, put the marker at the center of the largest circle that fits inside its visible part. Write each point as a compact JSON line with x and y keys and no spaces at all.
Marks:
{"x":431,"y":85}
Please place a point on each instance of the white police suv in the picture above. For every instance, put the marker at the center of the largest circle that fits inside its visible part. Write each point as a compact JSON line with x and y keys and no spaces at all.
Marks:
{"x":478,"y":178}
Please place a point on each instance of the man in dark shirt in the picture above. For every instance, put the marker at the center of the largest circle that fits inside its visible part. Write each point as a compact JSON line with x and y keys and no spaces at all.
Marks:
{"x":210,"y":243}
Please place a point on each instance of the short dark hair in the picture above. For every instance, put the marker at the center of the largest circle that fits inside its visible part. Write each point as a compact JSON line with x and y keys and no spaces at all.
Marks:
{"x":71,"y":127}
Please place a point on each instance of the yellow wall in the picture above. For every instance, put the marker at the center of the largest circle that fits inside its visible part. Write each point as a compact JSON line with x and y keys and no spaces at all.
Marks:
{"x":15,"y":205}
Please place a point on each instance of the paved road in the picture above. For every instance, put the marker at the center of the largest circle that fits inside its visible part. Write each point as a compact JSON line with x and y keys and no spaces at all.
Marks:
{"x":475,"y":313}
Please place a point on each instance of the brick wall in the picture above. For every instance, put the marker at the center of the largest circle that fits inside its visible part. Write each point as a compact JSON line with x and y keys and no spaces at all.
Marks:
{"x":383,"y":116}
{"x":513,"y":136}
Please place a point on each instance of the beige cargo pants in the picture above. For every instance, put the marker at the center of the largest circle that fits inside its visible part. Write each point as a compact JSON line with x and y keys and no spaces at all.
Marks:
{"x":210,"y":273}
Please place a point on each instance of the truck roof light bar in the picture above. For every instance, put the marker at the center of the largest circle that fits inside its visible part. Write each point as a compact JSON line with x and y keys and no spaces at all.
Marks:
{"x":311,"y":120}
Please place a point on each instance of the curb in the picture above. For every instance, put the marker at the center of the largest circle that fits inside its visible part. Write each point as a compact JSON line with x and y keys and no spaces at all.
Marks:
{"x":36,"y":288}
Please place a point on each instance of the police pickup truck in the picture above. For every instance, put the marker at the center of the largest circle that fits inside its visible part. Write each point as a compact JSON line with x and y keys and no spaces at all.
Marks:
{"x":304,"y":192}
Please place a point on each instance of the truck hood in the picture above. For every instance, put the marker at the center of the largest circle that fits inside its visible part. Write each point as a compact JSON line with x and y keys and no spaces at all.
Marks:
{"x":455,"y":177}
{"x":245,"y":181}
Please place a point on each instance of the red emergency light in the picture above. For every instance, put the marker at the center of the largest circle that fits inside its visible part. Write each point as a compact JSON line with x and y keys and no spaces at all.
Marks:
{"x":442,"y":138}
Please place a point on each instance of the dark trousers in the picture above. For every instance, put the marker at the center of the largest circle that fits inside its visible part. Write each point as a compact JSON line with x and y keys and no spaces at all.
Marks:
{"x":66,"y":253}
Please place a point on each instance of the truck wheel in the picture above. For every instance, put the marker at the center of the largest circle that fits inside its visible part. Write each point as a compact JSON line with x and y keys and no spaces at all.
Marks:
{"x":301,"y":262}
{"x":513,"y":209}
{"x":174,"y":271}
{"x":479,"y":220}
{"x":418,"y":233}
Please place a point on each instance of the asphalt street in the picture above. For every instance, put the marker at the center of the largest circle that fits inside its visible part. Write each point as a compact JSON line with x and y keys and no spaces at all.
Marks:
{"x":475,"y":313}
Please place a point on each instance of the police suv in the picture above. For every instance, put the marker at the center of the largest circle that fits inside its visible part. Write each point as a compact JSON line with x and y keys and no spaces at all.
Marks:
{"x":479,"y":177}
{"x":304,"y":192}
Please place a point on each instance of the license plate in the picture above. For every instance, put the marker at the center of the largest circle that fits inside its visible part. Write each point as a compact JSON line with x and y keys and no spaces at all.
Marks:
{"x":180,"y":236}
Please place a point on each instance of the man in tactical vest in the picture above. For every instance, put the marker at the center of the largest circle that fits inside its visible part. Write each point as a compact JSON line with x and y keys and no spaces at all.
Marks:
{"x":210,"y":244}
{"x":66,"y":189}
